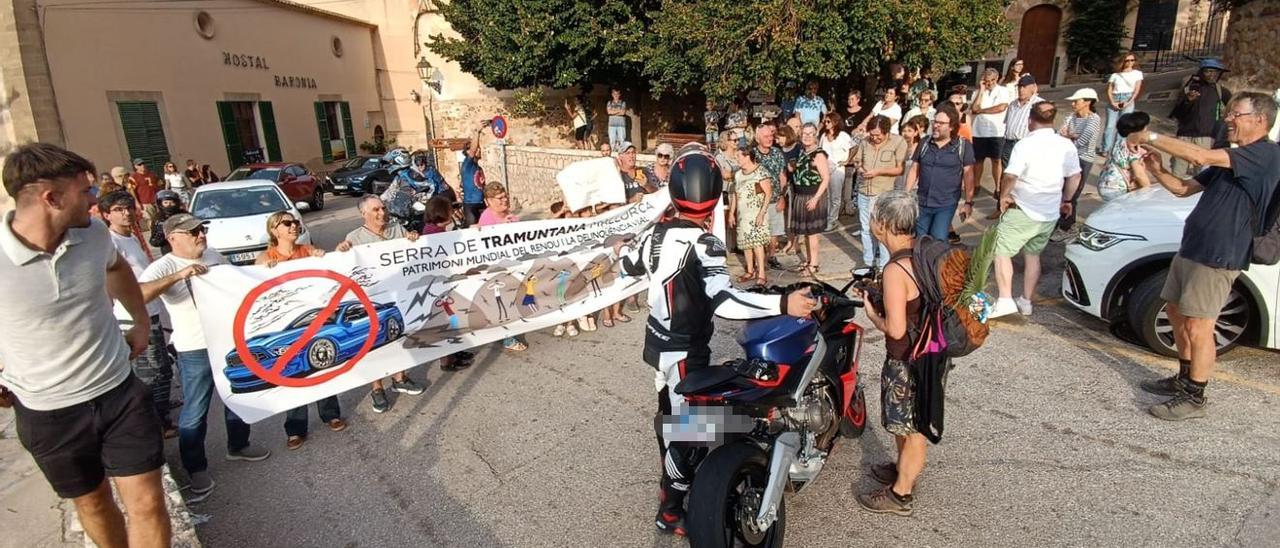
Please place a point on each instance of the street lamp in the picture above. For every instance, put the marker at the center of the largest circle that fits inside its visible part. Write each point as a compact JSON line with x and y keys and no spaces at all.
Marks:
{"x":430,"y":78}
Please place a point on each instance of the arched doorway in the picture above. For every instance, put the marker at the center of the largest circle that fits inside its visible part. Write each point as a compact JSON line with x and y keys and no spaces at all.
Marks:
{"x":1038,"y":40}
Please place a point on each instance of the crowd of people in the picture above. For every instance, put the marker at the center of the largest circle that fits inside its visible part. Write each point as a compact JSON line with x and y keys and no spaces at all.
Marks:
{"x":787,"y":181}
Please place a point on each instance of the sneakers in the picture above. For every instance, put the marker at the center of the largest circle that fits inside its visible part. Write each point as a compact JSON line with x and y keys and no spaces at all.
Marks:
{"x":378,"y":398}
{"x":953,"y":238}
{"x":885,"y":501}
{"x":1024,"y":305}
{"x":200,"y":488}
{"x":773,"y":263}
{"x":672,"y":523}
{"x":1060,"y":235}
{"x":1003,"y":307}
{"x":1181,"y":407}
{"x":249,"y":453}
{"x":408,"y":386}
{"x":1168,"y":386}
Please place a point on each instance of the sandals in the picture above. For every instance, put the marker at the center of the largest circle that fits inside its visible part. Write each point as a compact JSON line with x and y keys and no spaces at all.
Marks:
{"x":515,"y":345}
{"x":622,"y":318}
{"x":607,"y":322}
{"x":762,"y":282}
{"x":743,"y":278}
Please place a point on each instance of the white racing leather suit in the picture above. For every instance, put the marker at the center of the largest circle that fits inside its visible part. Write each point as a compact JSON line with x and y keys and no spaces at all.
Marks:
{"x":688,"y":285}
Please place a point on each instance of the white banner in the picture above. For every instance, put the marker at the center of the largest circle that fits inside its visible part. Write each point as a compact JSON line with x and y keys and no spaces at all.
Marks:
{"x":283,"y":337}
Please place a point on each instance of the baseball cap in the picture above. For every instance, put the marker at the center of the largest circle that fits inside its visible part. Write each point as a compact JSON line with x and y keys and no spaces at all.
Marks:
{"x":1213,"y":63}
{"x":182,"y":222}
{"x":624,"y":146}
{"x":1027,"y":80}
{"x":1084,"y":93}
{"x":137,"y":161}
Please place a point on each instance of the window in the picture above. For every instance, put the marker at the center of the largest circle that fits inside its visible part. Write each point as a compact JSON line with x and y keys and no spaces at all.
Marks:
{"x":240,"y":174}
{"x":332,"y":120}
{"x":249,"y":132}
{"x":354,"y":314}
{"x":238,"y":202}
{"x":296,"y":171}
{"x":337,"y":137}
{"x":143,"y":131}
{"x":305,"y":320}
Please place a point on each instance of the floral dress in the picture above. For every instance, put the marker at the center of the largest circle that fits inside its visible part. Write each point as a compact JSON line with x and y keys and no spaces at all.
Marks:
{"x":751,"y":234}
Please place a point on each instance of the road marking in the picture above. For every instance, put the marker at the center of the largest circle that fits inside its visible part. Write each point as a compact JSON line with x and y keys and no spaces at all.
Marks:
{"x":1108,"y":346}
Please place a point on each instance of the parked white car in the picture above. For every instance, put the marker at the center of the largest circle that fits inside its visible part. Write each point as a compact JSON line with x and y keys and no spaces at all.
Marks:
{"x":237,"y":212}
{"x":1117,"y":266}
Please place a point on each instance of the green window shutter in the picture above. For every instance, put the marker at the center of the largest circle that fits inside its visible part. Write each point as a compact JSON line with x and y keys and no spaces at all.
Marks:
{"x":325,"y":152}
{"x":349,"y":134}
{"x":269,"y":128}
{"x":144,"y":132}
{"x":230,"y":135}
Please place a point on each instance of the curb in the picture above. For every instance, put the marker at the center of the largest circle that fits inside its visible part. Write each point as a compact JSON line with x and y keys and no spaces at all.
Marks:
{"x":180,"y":519}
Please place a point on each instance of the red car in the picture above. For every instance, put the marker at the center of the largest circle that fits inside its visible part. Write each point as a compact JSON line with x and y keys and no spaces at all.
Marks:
{"x":296,"y":182}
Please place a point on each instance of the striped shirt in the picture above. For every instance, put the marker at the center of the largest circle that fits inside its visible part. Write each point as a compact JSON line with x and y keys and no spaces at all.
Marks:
{"x":1015,"y":118}
{"x":1088,"y":132}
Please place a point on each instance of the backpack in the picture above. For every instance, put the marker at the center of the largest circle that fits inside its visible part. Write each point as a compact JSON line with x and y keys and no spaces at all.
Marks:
{"x":947,"y":322}
{"x":1266,"y":239}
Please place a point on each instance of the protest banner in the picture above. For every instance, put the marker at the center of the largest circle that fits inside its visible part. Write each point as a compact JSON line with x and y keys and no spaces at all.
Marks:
{"x":282,"y":337}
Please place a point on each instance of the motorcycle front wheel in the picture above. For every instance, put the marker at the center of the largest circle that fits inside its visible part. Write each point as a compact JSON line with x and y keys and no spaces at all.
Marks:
{"x":726,"y":496}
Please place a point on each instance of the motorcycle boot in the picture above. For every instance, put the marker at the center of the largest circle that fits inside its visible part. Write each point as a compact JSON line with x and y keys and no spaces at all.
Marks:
{"x":670,"y":517}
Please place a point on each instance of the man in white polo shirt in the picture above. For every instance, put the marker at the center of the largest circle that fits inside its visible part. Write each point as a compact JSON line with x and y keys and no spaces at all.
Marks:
{"x":169,"y":278}
{"x":1039,"y":181}
{"x":80,"y":412}
{"x":988,"y":106}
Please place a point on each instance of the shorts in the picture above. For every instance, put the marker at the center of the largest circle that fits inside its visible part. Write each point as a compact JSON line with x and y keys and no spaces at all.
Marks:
{"x":1006,"y":150}
{"x":777,"y":220}
{"x":116,"y":434}
{"x":987,"y":147}
{"x":1197,"y":290}
{"x":580,"y":133}
{"x":1017,"y":232}
{"x":897,"y":398}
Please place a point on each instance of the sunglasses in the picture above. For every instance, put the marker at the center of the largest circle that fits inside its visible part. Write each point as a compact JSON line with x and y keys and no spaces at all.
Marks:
{"x":289,"y":223}
{"x":195,"y":232}
{"x":665,"y":156}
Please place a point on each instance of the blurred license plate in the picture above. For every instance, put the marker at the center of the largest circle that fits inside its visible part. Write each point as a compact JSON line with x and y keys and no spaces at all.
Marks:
{"x":241,"y":258}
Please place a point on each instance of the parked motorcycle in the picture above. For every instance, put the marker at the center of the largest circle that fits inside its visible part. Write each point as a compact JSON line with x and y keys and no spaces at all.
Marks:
{"x":793,"y":395}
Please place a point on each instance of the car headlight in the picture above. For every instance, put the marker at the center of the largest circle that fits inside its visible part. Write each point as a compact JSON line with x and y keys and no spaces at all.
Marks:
{"x":1098,"y":240}
{"x":357,"y":178}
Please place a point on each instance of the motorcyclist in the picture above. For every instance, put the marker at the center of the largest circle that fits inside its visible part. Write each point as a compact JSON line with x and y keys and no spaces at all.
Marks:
{"x":399,"y":195}
{"x":168,"y":204}
{"x":426,"y":178}
{"x":682,"y":255}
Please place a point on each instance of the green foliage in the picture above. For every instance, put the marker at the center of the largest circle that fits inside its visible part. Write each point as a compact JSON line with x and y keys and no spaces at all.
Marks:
{"x":979,"y":266}
{"x":509,"y":44}
{"x":1095,"y":32}
{"x":529,"y":103}
{"x":721,"y":47}
{"x":377,"y":146}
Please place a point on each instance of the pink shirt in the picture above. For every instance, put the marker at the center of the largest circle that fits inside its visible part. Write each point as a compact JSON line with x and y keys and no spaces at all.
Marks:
{"x":488,"y":217}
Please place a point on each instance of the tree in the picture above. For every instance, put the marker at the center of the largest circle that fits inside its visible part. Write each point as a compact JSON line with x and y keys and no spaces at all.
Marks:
{"x":509,"y":44}
{"x":1095,"y":32}
{"x":721,"y":47}
{"x":726,"y":46}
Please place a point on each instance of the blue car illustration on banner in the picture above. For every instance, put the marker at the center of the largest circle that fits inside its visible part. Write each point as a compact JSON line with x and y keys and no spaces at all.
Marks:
{"x":339,"y":338}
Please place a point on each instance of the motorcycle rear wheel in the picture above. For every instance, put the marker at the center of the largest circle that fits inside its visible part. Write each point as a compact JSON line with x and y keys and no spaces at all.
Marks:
{"x":728,"y":482}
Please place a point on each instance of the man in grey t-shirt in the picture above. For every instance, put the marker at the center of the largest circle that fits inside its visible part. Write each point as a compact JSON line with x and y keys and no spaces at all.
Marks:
{"x":80,"y":412}
{"x":376,"y":229}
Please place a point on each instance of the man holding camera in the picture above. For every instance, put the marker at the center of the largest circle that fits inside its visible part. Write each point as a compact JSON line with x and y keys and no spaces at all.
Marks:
{"x":1202,"y":104}
{"x":1238,"y":184}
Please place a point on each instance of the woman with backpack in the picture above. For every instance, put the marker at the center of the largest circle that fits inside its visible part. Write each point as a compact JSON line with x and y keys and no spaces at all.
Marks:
{"x":896,"y":312}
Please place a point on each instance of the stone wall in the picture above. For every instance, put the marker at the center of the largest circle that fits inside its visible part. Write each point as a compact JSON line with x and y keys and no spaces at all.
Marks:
{"x":1253,"y":46}
{"x":531,"y":172}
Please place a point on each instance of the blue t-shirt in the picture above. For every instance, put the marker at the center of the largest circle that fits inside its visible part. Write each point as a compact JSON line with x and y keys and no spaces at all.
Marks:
{"x":811,"y":109}
{"x":472,"y":181}
{"x":942,"y":171}
{"x":1219,"y":231}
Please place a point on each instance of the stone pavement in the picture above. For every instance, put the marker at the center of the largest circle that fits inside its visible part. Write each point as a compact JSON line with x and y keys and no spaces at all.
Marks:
{"x":32,"y":516}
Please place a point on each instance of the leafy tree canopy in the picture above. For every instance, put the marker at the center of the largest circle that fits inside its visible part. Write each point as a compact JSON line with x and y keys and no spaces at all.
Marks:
{"x":1095,"y":32}
{"x":721,"y":47}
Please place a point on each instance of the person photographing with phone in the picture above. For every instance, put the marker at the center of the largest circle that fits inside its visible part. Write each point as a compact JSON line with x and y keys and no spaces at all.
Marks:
{"x":1239,"y":192}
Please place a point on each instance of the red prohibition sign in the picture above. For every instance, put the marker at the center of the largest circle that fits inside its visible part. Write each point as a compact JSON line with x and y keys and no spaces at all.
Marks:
{"x":274,"y":375}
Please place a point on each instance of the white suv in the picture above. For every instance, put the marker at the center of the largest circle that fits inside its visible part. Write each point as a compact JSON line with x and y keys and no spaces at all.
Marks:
{"x":1117,"y":266}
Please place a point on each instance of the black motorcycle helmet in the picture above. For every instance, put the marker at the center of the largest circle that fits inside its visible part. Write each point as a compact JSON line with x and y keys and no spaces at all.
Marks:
{"x":696,"y":185}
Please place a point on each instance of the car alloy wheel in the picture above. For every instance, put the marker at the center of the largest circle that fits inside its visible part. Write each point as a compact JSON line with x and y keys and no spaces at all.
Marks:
{"x":394,"y":329}
{"x":1232,"y":323}
{"x":322,"y":354}
{"x":317,"y":200}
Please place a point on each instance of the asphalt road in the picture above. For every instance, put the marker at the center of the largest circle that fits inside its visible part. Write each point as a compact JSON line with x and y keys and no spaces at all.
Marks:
{"x":1047,"y":443}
